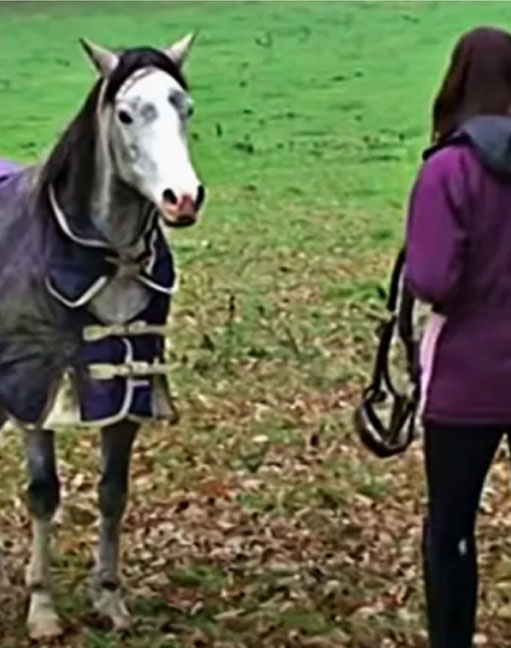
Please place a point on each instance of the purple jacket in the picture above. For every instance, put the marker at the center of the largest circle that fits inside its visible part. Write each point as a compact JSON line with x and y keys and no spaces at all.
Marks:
{"x":459,"y":260}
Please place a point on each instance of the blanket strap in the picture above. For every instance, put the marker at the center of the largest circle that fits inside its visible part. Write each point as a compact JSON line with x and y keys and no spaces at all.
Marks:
{"x":107,"y":371}
{"x":94,"y":333}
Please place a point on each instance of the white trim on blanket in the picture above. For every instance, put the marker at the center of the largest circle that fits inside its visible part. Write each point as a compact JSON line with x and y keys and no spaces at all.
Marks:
{"x":166,"y":290}
{"x":123,"y":412}
{"x":128,"y":398}
{"x":84,"y":298}
{"x":64,"y":225}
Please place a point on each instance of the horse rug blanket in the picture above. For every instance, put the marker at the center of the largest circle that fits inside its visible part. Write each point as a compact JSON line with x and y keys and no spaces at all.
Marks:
{"x":59,"y":364}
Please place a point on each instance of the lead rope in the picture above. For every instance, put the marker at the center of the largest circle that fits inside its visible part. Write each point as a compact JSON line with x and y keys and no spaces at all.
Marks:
{"x":404,"y":406}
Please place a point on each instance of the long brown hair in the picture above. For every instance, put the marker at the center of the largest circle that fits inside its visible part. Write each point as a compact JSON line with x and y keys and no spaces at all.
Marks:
{"x":478,"y":81}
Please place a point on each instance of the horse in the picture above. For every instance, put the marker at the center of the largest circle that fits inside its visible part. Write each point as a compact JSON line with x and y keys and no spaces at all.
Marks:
{"x":86,"y":282}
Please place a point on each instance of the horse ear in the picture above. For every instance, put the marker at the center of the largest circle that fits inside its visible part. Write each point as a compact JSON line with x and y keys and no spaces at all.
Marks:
{"x":178,"y":52}
{"x":104,"y":60}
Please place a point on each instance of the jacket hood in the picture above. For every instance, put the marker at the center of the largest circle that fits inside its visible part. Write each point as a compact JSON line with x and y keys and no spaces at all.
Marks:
{"x":490,"y":136}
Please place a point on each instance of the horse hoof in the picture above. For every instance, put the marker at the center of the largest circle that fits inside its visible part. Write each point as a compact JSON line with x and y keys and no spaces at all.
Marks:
{"x":44,"y":627}
{"x":43,"y":622}
{"x":123,"y":622}
{"x":110,"y":605}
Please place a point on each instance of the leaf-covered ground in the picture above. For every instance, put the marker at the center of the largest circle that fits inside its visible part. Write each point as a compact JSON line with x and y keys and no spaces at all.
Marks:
{"x":258,"y":521}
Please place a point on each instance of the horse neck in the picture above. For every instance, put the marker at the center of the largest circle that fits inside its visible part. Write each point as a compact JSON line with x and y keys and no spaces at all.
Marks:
{"x":117,"y":211}
{"x":82,"y":172}
{"x":113,"y":208}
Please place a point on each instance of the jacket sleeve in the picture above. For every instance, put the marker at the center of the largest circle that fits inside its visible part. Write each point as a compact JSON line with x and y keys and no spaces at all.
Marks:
{"x":435,"y":237}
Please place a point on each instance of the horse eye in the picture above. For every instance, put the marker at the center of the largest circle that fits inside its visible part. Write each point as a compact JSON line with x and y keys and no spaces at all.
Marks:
{"x":125,"y":117}
{"x":182,"y":104}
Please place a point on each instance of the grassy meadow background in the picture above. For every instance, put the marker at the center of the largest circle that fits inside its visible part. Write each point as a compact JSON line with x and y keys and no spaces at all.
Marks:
{"x":258,"y":521}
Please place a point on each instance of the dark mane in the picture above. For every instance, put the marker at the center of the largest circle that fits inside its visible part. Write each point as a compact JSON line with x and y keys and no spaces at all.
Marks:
{"x":71,"y":162}
{"x":136,"y":59}
{"x":70,"y":165}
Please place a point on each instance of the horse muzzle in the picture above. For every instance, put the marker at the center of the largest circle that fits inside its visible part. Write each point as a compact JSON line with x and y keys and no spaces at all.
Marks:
{"x":182,"y":211}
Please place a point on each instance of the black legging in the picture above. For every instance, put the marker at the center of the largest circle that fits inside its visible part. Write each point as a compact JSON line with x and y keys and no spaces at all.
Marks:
{"x":457,"y":461}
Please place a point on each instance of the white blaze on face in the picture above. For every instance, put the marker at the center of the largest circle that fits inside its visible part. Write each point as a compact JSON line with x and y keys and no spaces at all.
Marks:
{"x":150,"y":150}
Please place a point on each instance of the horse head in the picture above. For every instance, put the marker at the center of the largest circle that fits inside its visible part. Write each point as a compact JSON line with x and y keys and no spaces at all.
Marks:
{"x":143,"y":111}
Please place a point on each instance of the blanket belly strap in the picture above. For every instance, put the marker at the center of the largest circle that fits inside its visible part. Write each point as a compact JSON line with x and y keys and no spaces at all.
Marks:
{"x":108,"y":371}
{"x":93,"y":333}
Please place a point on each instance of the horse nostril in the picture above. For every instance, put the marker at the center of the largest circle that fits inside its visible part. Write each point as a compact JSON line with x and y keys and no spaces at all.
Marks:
{"x":170,"y":196}
{"x":201,"y":194}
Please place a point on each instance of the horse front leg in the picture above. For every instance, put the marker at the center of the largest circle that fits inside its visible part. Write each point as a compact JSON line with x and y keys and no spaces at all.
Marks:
{"x":43,"y":500}
{"x":116,"y":444}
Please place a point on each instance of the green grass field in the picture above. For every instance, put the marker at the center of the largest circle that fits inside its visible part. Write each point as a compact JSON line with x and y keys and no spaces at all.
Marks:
{"x":258,"y":522}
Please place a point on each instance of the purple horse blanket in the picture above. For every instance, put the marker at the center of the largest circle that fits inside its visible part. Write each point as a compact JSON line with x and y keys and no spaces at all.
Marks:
{"x":49,"y":273}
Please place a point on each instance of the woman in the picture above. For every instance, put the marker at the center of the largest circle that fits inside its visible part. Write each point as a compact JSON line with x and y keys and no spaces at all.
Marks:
{"x":459,"y":261}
